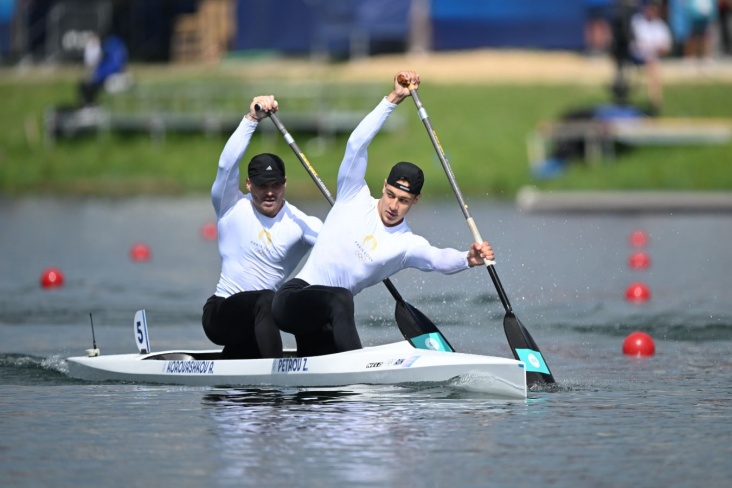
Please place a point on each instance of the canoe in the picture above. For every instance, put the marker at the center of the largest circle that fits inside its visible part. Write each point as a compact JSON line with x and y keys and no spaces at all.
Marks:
{"x":397,"y":363}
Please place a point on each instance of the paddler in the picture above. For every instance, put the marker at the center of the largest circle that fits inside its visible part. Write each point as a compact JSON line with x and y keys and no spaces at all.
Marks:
{"x":363,"y":241}
{"x":261,"y":239}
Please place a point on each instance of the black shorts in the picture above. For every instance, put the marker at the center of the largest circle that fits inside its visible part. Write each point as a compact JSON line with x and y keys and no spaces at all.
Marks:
{"x":243,"y":324}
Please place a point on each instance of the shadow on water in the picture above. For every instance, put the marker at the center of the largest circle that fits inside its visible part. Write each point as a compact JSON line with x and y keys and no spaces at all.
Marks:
{"x":378,"y":395}
{"x":249,"y":397}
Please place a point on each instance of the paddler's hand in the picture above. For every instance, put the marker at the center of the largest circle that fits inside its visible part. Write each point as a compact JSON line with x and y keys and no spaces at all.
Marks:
{"x":479,"y":252}
{"x":262,"y":103}
{"x":402,"y":82}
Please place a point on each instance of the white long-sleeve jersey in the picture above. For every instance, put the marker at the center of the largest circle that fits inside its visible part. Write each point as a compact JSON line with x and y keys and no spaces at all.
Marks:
{"x":355,"y":249}
{"x":257,"y":252}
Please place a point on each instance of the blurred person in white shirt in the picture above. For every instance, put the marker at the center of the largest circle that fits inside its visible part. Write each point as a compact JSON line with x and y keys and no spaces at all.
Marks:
{"x":651,"y":41}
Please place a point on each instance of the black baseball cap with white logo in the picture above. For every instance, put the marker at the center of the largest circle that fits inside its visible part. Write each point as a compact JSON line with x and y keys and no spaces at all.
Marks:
{"x":408,"y":172}
{"x":266,"y":167}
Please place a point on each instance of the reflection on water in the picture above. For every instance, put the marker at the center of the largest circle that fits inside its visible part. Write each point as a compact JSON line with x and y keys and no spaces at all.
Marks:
{"x":339,"y":434}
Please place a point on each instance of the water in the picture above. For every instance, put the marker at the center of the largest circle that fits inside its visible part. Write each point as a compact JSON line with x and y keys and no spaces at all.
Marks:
{"x":611,"y":421}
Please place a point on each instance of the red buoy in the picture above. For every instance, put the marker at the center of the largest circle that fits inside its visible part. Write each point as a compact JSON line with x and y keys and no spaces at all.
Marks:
{"x":639,"y":344}
{"x":638,"y":238}
{"x":208,"y":231}
{"x":637,"y":292}
{"x":639,"y":260}
{"x":52,"y":278}
{"x":140,"y":252}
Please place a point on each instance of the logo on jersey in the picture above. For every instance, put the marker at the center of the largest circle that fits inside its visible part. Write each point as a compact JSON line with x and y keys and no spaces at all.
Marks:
{"x":263,"y":244}
{"x":369,"y":243}
{"x":264,"y":233}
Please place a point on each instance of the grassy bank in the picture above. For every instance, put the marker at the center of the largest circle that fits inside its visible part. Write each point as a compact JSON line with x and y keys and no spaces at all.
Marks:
{"x":483,"y":129}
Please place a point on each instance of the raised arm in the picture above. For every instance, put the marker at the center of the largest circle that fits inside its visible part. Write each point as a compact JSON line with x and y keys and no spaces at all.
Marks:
{"x":225,"y":191}
{"x":352,"y":172}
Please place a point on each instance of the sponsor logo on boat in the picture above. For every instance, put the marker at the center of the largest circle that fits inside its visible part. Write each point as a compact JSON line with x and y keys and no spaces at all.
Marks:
{"x":189,"y":367}
{"x":409,"y":361}
{"x":404,"y":363}
{"x":289,"y":365}
{"x":374,"y":365}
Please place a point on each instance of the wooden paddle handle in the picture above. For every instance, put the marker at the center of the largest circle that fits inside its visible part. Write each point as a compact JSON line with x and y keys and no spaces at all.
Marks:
{"x":403,"y":81}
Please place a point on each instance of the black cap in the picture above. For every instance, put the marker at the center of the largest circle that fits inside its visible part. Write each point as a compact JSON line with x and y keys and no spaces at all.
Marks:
{"x":408,"y":172}
{"x":266,"y":167}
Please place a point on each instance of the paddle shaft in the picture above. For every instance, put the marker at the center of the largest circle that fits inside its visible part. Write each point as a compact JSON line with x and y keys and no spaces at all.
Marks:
{"x":522,"y":344}
{"x":458,"y":194}
{"x":318,"y":182}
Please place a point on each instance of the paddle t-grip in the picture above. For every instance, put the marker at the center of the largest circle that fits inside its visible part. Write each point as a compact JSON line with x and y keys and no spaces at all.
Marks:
{"x":403,"y":81}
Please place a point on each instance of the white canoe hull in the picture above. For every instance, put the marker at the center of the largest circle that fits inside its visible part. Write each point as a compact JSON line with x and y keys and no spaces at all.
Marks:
{"x":391,"y":364}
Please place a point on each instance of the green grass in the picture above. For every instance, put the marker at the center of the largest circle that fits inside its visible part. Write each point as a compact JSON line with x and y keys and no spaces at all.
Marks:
{"x":483,"y":130}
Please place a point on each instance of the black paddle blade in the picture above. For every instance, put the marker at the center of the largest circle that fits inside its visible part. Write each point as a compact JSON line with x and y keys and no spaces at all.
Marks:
{"x":418,"y":329}
{"x":525,"y":349}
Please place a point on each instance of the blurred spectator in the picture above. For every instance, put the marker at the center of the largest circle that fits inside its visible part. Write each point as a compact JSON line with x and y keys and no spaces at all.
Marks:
{"x":597,"y":26}
{"x":622,"y":36}
{"x":92,"y":52}
{"x":651,"y":41}
{"x":701,"y":15}
{"x":111,"y":61}
{"x":678,"y":20}
{"x":724,"y":7}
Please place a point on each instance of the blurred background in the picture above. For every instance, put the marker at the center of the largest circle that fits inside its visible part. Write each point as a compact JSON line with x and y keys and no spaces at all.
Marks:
{"x":191,"y":30}
{"x":545,"y":89}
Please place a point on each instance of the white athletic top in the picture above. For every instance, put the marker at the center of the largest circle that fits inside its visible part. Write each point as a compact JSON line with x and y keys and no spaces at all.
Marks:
{"x":355,"y":249}
{"x":650,"y":37}
{"x":257,"y":252}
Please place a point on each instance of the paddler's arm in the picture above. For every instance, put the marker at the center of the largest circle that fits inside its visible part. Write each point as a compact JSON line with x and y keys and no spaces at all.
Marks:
{"x":352,"y":172}
{"x":225,"y":191}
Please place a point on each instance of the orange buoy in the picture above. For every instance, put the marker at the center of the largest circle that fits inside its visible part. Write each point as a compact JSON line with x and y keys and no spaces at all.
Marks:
{"x":140,"y":252}
{"x":52,"y":278}
{"x":637,"y":292}
{"x":639,"y":260}
{"x":639,"y":344}
{"x":208,"y":231}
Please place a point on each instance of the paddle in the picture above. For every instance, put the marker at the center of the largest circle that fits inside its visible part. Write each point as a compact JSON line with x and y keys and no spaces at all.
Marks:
{"x":413,"y":324}
{"x":522,"y":344}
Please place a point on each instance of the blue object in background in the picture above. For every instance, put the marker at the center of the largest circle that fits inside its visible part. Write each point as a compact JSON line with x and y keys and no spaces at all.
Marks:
{"x":550,"y":168}
{"x":7,"y":10}
{"x":285,"y":25}
{"x":613,"y":112}
{"x":300,"y":26}
{"x":114,"y":59}
{"x":467,"y":24}
{"x":334,"y":27}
